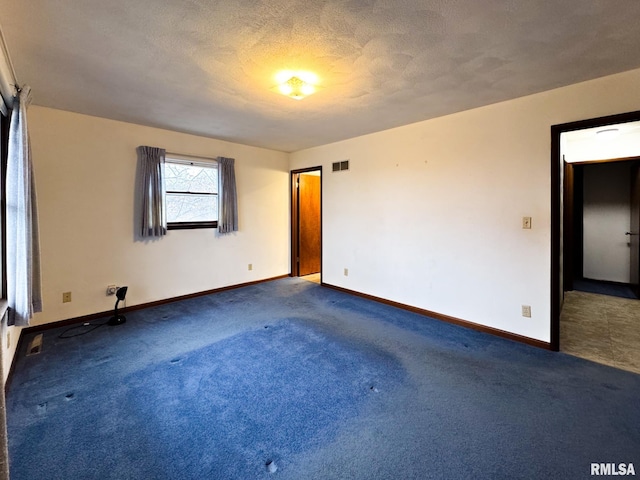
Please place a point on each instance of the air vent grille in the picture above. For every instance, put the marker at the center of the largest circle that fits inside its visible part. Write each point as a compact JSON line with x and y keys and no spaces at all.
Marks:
{"x":35,"y":345}
{"x":340,"y":166}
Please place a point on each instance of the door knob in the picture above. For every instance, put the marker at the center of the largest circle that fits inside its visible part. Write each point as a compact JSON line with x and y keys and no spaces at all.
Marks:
{"x":630,"y":233}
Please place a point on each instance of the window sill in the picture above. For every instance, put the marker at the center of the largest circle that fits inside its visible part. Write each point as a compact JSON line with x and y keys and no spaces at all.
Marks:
{"x":191,"y":225}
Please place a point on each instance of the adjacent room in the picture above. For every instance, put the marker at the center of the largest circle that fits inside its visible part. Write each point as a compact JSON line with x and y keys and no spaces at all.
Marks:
{"x":600,"y":315}
{"x":319,"y":240}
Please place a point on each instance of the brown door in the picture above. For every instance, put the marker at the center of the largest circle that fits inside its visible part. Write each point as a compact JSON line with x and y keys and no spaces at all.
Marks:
{"x":634,"y":237}
{"x":568,"y":204}
{"x":309,"y":224}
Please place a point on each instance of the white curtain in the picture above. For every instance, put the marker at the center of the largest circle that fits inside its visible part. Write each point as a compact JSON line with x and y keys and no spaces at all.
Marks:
{"x":23,"y":247}
{"x":153,"y":219}
{"x":228,"y":197}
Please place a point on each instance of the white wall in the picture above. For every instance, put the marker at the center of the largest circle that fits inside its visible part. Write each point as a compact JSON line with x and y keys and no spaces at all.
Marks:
{"x":606,"y":218}
{"x":587,"y":145}
{"x":430,"y":213}
{"x":85,"y":172}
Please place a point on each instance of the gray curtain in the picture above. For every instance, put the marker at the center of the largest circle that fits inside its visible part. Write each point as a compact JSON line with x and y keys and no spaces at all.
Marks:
{"x":153,"y":219}
{"x":227,"y":195}
{"x":24,"y":293}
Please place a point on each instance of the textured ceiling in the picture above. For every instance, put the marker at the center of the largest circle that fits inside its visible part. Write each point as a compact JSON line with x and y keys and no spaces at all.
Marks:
{"x":207,"y":67}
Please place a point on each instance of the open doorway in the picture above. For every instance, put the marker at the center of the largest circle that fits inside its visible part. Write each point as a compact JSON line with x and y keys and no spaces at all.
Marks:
{"x":593,"y":240}
{"x":306,"y":224}
{"x":601,"y":214}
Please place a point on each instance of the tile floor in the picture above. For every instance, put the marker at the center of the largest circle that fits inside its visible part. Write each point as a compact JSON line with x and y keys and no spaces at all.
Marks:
{"x":601,"y":328}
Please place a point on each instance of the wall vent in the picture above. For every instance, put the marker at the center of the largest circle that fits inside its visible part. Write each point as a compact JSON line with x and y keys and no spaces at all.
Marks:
{"x":35,"y":345}
{"x":339,"y":166}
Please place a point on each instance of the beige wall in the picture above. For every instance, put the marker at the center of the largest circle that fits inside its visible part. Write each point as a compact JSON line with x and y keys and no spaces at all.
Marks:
{"x":85,"y":172}
{"x":430,"y":214}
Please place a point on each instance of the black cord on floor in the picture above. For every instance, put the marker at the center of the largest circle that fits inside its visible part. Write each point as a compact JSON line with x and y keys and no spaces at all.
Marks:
{"x":95,"y":326}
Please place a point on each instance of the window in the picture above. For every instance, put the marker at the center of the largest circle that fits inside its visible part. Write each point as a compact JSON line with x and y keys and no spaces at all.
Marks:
{"x":191,"y":193}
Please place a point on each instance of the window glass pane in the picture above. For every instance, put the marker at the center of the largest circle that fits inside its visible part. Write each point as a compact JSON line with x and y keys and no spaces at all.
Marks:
{"x":192,"y":208}
{"x":191,"y":178}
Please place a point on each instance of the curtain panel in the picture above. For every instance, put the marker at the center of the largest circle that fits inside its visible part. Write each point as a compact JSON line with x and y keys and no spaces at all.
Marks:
{"x":228,"y":203}
{"x":24,"y":293}
{"x":153,"y":219}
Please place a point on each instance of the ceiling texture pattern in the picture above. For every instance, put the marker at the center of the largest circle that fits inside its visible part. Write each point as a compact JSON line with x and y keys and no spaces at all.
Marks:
{"x":207,"y":67}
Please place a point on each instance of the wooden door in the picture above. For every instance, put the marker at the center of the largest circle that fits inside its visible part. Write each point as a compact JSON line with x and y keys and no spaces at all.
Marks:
{"x":568,"y":257}
{"x":309,"y":224}
{"x":634,"y":232}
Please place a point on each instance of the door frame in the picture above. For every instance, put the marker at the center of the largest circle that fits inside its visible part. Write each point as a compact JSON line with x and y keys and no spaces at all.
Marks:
{"x":558,"y":193}
{"x":295,"y":219}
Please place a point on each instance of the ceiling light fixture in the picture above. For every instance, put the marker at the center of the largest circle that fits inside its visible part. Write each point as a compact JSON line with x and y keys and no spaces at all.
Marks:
{"x":608,"y":133}
{"x":296,"y":85}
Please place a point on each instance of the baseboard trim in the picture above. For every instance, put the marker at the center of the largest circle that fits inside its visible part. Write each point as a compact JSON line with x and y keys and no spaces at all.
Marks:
{"x":446,"y":318}
{"x":141,"y":306}
{"x":421,"y":311}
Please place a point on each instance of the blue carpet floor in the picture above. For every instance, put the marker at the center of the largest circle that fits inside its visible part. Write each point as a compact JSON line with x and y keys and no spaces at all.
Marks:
{"x":603,"y":288}
{"x":291,"y":380}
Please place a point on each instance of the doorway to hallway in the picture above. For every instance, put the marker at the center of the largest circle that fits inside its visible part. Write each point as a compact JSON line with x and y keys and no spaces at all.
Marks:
{"x":595,"y":241}
{"x":306,"y":222}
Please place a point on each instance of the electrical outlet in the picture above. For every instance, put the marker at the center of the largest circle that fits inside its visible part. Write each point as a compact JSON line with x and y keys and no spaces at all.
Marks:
{"x":66,"y":297}
{"x":346,"y":272}
{"x":8,"y":340}
{"x":526,"y":311}
{"x":250,"y":266}
{"x":526,"y":223}
{"x":111,"y":289}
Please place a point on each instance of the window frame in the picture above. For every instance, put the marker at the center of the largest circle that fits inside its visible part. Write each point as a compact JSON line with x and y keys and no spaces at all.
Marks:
{"x":178,"y":159}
